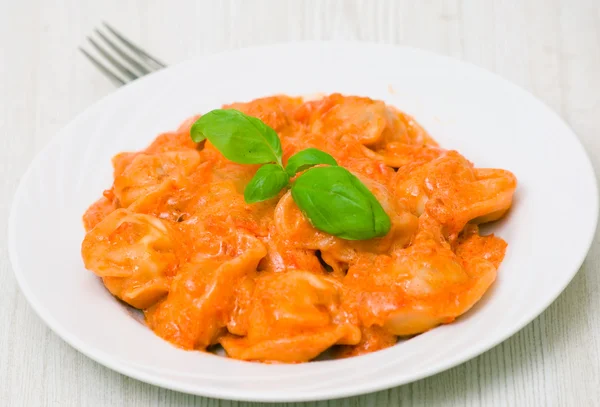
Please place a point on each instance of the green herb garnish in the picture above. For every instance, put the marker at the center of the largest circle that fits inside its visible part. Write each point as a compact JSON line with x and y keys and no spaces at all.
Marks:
{"x":305,"y":159}
{"x":331,"y":197}
{"x":338,"y":203}
{"x":240,"y":138}
{"x":268,"y":181}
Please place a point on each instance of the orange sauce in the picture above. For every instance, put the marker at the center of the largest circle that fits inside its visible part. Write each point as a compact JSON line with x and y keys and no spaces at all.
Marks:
{"x":174,"y":237}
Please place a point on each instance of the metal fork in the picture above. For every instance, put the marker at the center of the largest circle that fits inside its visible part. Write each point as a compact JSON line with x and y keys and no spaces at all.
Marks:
{"x":127,"y":60}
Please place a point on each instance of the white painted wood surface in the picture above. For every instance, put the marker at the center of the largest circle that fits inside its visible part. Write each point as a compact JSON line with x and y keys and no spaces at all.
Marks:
{"x":550,"y":47}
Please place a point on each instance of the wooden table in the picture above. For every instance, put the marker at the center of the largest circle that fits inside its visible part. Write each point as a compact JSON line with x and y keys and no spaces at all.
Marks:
{"x":550,"y":47}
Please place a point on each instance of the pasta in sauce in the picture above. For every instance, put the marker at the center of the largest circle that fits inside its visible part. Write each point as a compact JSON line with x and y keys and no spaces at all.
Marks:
{"x":174,"y":237}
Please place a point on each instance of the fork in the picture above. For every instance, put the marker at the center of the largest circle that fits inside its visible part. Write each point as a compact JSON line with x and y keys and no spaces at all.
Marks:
{"x":127,"y":60}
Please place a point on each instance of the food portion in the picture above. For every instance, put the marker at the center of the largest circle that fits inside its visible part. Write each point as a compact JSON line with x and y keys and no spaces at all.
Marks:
{"x":281,"y":228}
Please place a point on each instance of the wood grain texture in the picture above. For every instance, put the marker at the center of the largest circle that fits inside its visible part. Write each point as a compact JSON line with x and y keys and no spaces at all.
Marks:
{"x":550,"y":47}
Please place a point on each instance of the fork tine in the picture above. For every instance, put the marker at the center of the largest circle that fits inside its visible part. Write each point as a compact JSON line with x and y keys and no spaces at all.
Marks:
{"x":124,"y":70}
{"x":114,"y":78}
{"x":141,"y":69}
{"x":134,"y":47}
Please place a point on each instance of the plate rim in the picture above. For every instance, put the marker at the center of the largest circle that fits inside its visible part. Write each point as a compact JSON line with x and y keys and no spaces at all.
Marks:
{"x":331,"y":393}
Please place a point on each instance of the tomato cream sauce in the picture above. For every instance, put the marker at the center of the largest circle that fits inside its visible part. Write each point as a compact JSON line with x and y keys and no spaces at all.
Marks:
{"x":174,"y":237}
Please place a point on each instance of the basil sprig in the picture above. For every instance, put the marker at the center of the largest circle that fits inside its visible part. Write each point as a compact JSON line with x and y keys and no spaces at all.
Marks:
{"x":268,"y":181}
{"x":305,"y":159}
{"x":338,"y":203}
{"x":240,"y":138}
{"x":331,"y":197}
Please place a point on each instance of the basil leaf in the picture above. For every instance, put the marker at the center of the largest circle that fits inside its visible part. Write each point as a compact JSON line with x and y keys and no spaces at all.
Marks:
{"x":307,"y":158}
{"x":240,"y":138}
{"x":268,"y":181}
{"x":337,"y":202}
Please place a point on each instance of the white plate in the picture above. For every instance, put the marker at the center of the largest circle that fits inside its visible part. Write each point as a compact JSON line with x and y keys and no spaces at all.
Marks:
{"x":491,"y":121}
